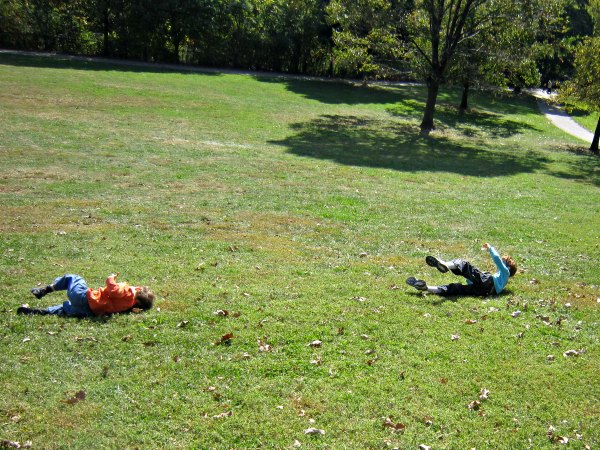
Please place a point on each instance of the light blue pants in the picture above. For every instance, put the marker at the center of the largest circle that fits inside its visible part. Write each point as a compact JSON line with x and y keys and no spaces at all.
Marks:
{"x":77,"y":303}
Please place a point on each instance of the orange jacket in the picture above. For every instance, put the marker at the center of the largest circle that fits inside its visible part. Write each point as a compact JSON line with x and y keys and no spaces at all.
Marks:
{"x":114,"y":297}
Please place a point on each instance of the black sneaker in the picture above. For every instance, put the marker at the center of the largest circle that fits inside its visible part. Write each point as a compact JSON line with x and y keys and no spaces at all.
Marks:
{"x":40,"y":292}
{"x":419,"y":285}
{"x":31,"y":311}
{"x":434,"y":262}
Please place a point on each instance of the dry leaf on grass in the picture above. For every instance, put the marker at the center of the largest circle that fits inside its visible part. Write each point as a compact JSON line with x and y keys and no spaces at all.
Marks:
{"x":223,"y":415}
{"x":483,"y":394}
{"x":264,"y":347}
{"x":79,"y":395}
{"x":315,"y":344}
{"x":221,"y":312}
{"x":183,"y":324}
{"x":455,"y":337}
{"x":395,"y":426}
{"x":573,"y":353}
{"x":314,"y":431}
{"x":14,"y":444}
{"x":470,"y":321}
{"x":474,"y":405}
{"x":225,"y":339}
{"x":424,"y":447}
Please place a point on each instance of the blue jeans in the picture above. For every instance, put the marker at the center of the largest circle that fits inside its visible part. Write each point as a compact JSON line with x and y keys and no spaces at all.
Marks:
{"x":77,"y":303}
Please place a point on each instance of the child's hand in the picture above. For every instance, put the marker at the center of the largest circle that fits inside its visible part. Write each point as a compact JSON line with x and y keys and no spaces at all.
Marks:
{"x":114,"y":275}
{"x":486,"y":246}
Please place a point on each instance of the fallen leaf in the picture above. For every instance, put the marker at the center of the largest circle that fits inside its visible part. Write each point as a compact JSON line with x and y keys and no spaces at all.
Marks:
{"x":136,"y":310}
{"x":369,"y":352}
{"x":225,"y":339}
{"x":183,"y":324}
{"x":443,"y":380}
{"x":364,"y":336}
{"x":515,"y":313}
{"x":9,"y":444}
{"x":562,"y":439}
{"x":79,"y":395}
{"x":317,"y":361}
{"x":470,"y":321}
{"x":424,"y":447}
{"x":126,"y":338}
{"x":246,"y":355}
{"x":455,"y":337}
{"x":394,"y":287}
{"x":484,"y":393}
{"x":359,"y":299}
{"x":363,"y":255}
{"x":176,"y":359}
{"x":534,"y":281}
{"x":474,"y":405}
{"x":89,"y":338}
{"x":221,"y":312}
{"x":26,"y":339}
{"x":370,"y":362}
{"x":550,"y":358}
{"x":396,"y":426}
{"x":223,"y":415}
{"x":573,"y":353}
{"x":314,"y":431}
{"x":315,"y":344}
{"x":264,"y":347}
{"x":297,"y":444}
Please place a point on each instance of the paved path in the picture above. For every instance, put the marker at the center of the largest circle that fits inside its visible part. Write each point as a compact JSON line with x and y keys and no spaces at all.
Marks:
{"x":560,"y":118}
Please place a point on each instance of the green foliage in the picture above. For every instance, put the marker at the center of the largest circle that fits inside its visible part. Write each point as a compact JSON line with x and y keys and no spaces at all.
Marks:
{"x":368,"y":36}
{"x":585,"y":84}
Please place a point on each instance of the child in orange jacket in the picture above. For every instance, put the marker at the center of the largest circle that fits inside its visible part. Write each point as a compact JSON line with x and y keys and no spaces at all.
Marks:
{"x":84,"y":301}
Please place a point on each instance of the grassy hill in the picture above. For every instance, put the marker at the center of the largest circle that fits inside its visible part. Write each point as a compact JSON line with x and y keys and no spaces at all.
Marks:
{"x":299,"y":207}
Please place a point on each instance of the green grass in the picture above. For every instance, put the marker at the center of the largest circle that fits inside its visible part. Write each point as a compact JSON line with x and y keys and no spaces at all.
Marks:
{"x":258,"y":196}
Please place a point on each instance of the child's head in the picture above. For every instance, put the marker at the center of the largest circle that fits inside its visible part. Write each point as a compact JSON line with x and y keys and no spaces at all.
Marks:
{"x":144,"y":298}
{"x":511,"y":264}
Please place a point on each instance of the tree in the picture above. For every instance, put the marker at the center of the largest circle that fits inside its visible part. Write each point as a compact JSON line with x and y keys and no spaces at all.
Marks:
{"x":585,"y":84}
{"x":441,"y":40}
{"x":441,"y":29}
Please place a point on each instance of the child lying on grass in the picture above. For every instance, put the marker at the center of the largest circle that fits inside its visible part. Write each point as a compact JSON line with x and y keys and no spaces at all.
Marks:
{"x":85,"y":302}
{"x":478,"y":282}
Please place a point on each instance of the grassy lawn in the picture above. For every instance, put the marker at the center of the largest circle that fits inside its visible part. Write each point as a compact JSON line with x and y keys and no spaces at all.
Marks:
{"x":300,"y":207}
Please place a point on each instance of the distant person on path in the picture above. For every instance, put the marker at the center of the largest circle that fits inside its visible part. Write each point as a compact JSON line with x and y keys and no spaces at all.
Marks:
{"x":478,"y":282}
{"x":86,"y":302}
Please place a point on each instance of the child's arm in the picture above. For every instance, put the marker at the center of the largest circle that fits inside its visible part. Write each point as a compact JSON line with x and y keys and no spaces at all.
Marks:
{"x":112,"y":279}
{"x":497,"y":259}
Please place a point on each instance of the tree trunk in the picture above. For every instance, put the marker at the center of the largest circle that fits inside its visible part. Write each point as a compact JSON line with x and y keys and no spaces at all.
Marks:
{"x":432,"y":91}
{"x":464,"y":100}
{"x":594,"y":146}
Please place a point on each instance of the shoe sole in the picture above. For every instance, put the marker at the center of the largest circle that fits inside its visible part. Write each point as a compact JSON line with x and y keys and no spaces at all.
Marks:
{"x":434,"y":262}
{"x":417,"y":284}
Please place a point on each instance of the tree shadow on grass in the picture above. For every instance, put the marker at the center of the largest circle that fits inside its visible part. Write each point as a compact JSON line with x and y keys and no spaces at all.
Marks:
{"x":345,"y":93}
{"x":367,"y":142}
{"x":53,"y":61}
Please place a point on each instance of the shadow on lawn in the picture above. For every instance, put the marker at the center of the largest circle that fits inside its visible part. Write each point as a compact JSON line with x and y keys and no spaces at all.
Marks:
{"x":367,"y":142}
{"x":54,"y":61}
{"x":358,"y":141}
